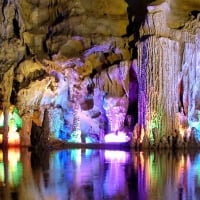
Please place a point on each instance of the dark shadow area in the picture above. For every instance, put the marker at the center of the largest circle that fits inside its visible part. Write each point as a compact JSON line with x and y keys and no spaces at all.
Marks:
{"x":195,"y":13}
{"x":137,"y":11}
{"x":40,"y":134}
{"x":40,"y":161}
{"x":16,"y":28}
{"x":132,"y":113}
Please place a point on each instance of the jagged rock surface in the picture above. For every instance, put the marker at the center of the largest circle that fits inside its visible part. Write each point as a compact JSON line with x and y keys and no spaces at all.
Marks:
{"x":55,"y":54}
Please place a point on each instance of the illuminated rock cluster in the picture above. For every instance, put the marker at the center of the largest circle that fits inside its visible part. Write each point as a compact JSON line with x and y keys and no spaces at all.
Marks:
{"x":103,"y":67}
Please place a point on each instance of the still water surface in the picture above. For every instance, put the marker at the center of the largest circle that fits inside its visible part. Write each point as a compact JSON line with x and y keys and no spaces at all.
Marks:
{"x":85,"y":174}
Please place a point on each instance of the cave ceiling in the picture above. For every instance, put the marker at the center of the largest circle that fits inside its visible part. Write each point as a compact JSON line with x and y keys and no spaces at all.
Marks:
{"x":42,"y":28}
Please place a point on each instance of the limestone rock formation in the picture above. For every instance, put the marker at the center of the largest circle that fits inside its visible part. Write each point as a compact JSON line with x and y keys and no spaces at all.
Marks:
{"x":112,"y":65}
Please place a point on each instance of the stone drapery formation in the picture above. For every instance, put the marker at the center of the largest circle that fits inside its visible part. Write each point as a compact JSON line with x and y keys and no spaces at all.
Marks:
{"x":122,"y":62}
{"x":168,"y":67}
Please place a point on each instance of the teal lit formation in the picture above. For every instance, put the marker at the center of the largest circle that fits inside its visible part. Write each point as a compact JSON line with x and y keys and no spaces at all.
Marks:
{"x":14,"y":125}
{"x":13,"y":170}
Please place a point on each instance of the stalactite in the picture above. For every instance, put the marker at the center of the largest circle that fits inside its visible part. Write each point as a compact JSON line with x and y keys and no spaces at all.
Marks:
{"x":76,"y":119}
{"x":55,"y":10}
{"x":76,"y":127}
{"x":7,"y":85}
{"x":142,"y":84}
{"x":123,"y":76}
{"x":157,"y":85}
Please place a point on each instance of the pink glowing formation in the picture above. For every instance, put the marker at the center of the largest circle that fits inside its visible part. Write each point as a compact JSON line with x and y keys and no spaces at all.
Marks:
{"x":117,"y":137}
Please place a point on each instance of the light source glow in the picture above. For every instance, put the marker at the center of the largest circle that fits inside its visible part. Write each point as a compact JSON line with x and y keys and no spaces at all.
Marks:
{"x":117,"y":137}
{"x":15,"y":169}
{"x":14,"y":124}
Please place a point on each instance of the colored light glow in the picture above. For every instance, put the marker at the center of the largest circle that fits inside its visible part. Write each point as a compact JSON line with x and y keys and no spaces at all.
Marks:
{"x":2,"y":175}
{"x":115,"y":178}
{"x":75,"y":136}
{"x":195,"y":125}
{"x":87,"y":121}
{"x":1,"y":119}
{"x":181,"y":171}
{"x":13,"y":137}
{"x":143,"y":175}
{"x":181,"y":131}
{"x":142,"y":135}
{"x":194,"y":171}
{"x":76,"y":156}
{"x":154,"y":124}
{"x":88,"y":140}
{"x":153,"y":169}
{"x":14,"y":123}
{"x":117,"y":156}
{"x":15,"y":168}
{"x":57,"y":123}
{"x":14,"y":117}
{"x":116,"y":137}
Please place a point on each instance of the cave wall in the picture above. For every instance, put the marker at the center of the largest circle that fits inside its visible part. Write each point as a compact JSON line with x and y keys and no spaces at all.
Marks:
{"x":53,"y":52}
{"x":102,"y":66}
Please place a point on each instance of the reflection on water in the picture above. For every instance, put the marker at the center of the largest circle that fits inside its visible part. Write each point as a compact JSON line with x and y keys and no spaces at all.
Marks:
{"x":84,"y":174}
